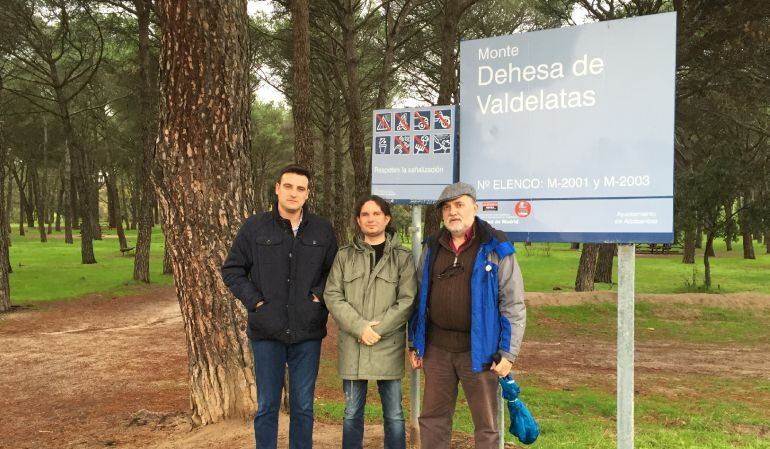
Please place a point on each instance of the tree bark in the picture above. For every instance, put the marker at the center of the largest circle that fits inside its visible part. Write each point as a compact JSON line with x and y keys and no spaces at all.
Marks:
{"x":147,"y":195}
{"x":352,"y":96}
{"x":69,"y":210}
{"x":206,"y":192}
{"x":112,"y":192}
{"x":303,"y":133}
{"x":5,"y":264}
{"x":340,"y":211}
{"x":605,"y":262}
{"x":34,"y":179}
{"x":59,"y":203}
{"x":767,"y":241}
{"x":8,"y":206}
{"x":587,"y":268}
{"x":688,"y":255}
{"x":748,"y":244}
{"x":729,"y":226}
{"x":706,"y":261}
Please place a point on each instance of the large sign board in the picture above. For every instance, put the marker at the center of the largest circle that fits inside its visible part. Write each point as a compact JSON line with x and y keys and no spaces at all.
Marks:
{"x":568,"y":134}
{"x":413,"y":153}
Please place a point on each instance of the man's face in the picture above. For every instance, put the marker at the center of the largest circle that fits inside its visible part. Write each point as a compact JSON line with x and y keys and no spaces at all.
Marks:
{"x":372,"y":220}
{"x":459,"y":214}
{"x":292,"y":191}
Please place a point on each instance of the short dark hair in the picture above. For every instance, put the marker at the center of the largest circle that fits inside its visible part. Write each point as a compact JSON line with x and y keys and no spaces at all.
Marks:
{"x":296,"y":169}
{"x":378,"y":200}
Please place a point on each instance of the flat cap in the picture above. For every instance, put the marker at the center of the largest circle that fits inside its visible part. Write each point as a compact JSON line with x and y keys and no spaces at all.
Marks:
{"x":455,"y":190}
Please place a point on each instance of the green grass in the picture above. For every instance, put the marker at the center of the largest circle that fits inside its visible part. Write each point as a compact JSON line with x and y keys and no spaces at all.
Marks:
{"x":654,"y":321}
{"x":548,"y":267}
{"x":52,"y":270}
{"x":585,"y":418}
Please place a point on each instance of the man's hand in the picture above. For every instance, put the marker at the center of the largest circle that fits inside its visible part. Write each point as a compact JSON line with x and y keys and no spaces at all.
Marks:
{"x":415,"y":360}
{"x":369,"y":336}
{"x":315,"y":298}
{"x":503,"y":368}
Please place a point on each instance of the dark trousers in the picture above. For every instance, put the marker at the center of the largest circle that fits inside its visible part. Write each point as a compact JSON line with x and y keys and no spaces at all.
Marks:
{"x":392,"y":413}
{"x":270,"y":360}
{"x":443,"y":370}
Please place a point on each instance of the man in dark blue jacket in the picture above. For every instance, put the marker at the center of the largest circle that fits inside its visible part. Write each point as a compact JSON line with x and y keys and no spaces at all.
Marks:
{"x":277,"y":267}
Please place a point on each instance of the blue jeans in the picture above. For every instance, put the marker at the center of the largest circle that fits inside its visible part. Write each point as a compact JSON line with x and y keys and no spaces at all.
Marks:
{"x":270,"y":360}
{"x":392,"y":413}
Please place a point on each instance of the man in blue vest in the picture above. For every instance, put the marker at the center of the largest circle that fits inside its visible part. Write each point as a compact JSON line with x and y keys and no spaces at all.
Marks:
{"x":470,"y":313}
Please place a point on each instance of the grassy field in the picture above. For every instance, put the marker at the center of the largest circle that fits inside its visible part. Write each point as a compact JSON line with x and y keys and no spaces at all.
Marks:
{"x":52,"y":270}
{"x":548,"y":267}
{"x":722,"y":411}
{"x":672,"y":410}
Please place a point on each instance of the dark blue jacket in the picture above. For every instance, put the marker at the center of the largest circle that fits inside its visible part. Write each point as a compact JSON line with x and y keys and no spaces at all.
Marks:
{"x":267,"y":263}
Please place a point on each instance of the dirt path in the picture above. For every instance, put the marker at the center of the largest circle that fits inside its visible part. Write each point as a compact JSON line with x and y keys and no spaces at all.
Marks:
{"x":111,"y":372}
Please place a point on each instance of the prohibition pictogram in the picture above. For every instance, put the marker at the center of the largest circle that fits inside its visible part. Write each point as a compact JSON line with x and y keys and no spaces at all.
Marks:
{"x":401,"y":145}
{"x":402,"y":121}
{"x":421,"y":120}
{"x":443,"y":119}
{"x":421,"y":144}
{"x":383,"y":122}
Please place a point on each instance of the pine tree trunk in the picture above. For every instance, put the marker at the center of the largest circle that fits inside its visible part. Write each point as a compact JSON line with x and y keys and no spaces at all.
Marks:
{"x":22,"y":202}
{"x":748,"y":244}
{"x":147,"y":202}
{"x":5,"y":288}
{"x":699,"y":237}
{"x":205,"y":190}
{"x":587,"y":268}
{"x":38,"y":198}
{"x":8,"y":206}
{"x":688,"y":255}
{"x":706,"y":261}
{"x":353,"y":99}
{"x":303,"y":134}
{"x":605,"y":262}
{"x":112,"y":192}
{"x":93,"y":207}
{"x":30,"y":207}
{"x":111,"y":200}
{"x":729,"y":226}
{"x":66,"y":204}
{"x":767,"y":241}
{"x":341,"y":222}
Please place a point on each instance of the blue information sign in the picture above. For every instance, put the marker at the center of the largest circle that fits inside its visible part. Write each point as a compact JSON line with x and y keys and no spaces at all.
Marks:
{"x":568,"y":134}
{"x":413,"y":153}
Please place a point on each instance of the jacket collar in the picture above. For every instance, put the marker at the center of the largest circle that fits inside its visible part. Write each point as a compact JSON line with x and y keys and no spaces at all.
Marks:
{"x":391,"y":241}
{"x":286,"y":223}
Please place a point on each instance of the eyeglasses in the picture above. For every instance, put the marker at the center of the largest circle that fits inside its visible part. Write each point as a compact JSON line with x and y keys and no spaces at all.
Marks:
{"x":451,"y":270}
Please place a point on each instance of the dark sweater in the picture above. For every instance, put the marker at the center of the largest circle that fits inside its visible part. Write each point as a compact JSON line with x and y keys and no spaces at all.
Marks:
{"x":449,"y":300}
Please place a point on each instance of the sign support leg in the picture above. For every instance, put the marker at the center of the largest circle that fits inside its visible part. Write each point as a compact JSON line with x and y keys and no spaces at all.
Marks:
{"x":414,"y":385}
{"x":625,"y":398}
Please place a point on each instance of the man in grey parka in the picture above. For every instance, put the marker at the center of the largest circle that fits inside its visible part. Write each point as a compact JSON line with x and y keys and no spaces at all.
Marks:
{"x":370,"y":293}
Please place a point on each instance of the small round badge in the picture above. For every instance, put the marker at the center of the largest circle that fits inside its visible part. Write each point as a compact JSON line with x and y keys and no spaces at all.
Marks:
{"x":489,"y":268}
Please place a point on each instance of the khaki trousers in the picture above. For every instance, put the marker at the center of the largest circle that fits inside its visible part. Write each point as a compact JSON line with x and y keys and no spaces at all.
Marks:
{"x":443,"y":370}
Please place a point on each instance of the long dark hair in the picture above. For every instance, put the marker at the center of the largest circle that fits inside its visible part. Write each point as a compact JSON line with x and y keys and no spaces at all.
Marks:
{"x":379,"y":201}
